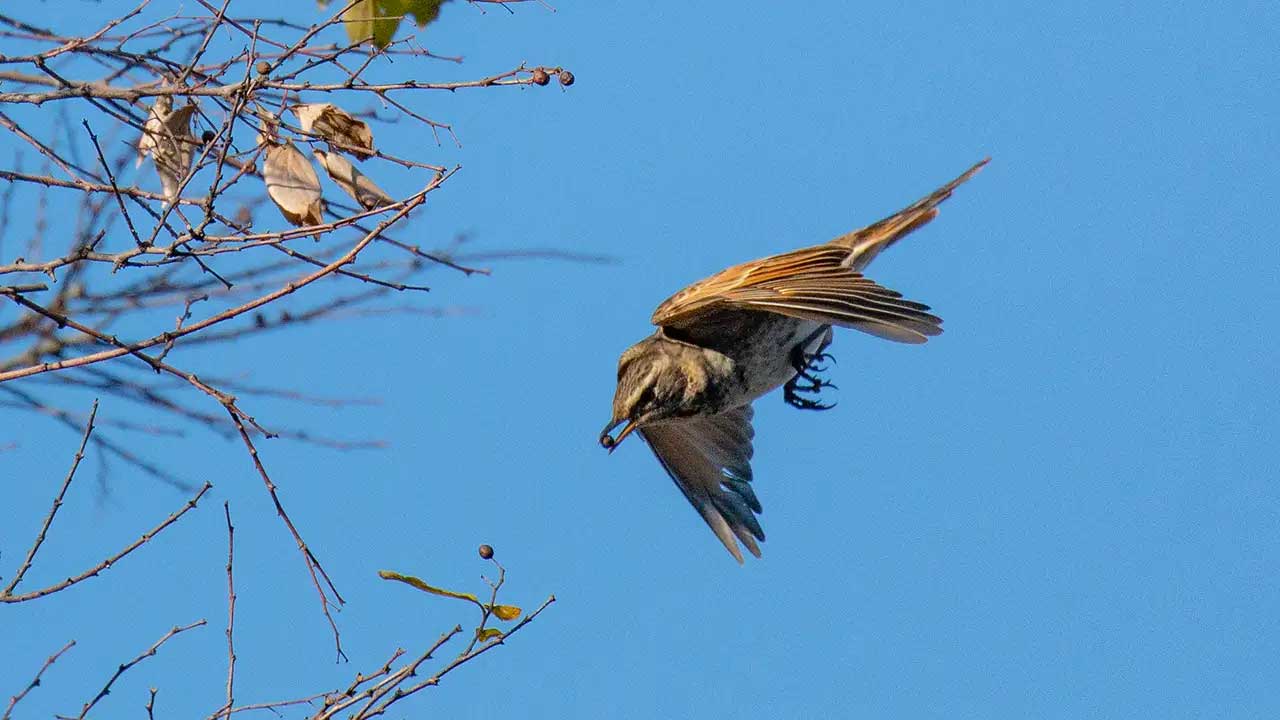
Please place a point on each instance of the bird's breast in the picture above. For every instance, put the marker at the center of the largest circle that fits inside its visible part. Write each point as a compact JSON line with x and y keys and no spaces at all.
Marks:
{"x":763,"y":358}
{"x":744,"y":355}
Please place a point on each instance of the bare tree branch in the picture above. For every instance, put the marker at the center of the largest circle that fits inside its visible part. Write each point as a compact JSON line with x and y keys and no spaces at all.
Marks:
{"x":123,"y":668}
{"x":35,"y":682}
{"x":57,"y":503}
{"x":109,"y":282}
{"x":231,"y":606}
{"x":8,"y":597}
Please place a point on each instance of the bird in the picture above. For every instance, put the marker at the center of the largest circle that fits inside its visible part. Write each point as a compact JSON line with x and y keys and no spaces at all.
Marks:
{"x":724,"y":341}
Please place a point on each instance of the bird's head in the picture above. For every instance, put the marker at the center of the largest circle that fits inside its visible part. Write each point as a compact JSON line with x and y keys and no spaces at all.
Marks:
{"x":653,"y":384}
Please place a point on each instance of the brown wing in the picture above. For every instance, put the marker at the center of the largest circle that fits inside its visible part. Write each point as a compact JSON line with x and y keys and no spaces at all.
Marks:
{"x":709,"y":458}
{"x":822,"y":283}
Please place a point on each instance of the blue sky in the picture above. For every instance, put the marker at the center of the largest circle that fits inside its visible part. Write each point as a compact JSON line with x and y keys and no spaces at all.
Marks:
{"x":1064,"y":507}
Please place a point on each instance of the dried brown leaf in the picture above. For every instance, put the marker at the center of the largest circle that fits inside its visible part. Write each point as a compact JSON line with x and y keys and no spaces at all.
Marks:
{"x":352,"y":181}
{"x":292,"y":184}
{"x":168,"y":140}
{"x":338,"y":127}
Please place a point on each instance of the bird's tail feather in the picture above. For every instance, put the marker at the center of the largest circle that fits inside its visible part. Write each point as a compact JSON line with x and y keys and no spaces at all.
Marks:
{"x":865,"y":243}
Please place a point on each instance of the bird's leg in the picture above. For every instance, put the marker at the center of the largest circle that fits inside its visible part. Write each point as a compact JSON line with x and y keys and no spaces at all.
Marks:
{"x":806,"y":365}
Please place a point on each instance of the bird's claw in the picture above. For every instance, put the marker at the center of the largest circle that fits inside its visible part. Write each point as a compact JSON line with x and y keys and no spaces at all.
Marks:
{"x":791,"y":394}
{"x":806,"y":365}
{"x":811,"y":363}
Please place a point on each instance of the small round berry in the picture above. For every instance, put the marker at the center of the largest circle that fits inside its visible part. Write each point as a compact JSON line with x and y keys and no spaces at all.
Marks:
{"x":486,"y":551}
{"x":264,"y":67}
{"x":206,"y":137}
{"x":540,"y":77}
{"x":566,"y":78}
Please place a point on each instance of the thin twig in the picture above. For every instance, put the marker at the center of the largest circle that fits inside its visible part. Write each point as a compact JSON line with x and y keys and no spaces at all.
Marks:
{"x":95,"y":570}
{"x":115,"y":188}
{"x":35,"y":682}
{"x":57,"y":503}
{"x":122,"y":669}
{"x":231,"y":607}
{"x":314,"y":569}
{"x":134,"y":348}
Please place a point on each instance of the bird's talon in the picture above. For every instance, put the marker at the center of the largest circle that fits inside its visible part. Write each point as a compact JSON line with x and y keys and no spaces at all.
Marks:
{"x":805,"y":404}
{"x":791,"y":394}
{"x":807,"y":381}
{"x":815,"y":385}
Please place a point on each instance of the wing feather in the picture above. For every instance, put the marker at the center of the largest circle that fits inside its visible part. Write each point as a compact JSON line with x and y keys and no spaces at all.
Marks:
{"x":832,"y":294}
{"x":709,"y":458}
{"x":823,"y":283}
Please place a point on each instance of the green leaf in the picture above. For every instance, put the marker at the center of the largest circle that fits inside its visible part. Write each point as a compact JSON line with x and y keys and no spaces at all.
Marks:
{"x":380,"y":19}
{"x":423,"y":12}
{"x":483,"y":634}
{"x":371,"y":19}
{"x":418,"y":583}
{"x":505,"y":612}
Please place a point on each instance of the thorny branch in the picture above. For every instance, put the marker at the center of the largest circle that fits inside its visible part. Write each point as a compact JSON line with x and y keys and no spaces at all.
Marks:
{"x":209,"y":103}
{"x":368,"y":695}
{"x":124,"y":667}
{"x":371,"y":695}
{"x":314,"y":569}
{"x":57,"y":503}
{"x":364,"y":698}
{"x":231,"y":610}
{"x":375,"y":699}
{"x":242,"y":80}
{"x":8,"y":597}
{"x":35,"y":682}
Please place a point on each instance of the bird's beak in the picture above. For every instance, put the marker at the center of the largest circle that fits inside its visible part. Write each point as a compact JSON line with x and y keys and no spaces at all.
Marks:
{"x":608,"y":441}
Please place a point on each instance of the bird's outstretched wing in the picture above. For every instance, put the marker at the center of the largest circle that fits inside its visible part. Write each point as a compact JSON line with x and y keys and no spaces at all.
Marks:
{"x":822,"y":283}
{"x":709,"y":458}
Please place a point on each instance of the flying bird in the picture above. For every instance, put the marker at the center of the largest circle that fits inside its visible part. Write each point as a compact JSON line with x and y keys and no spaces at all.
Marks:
{"x":728,"y":339}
